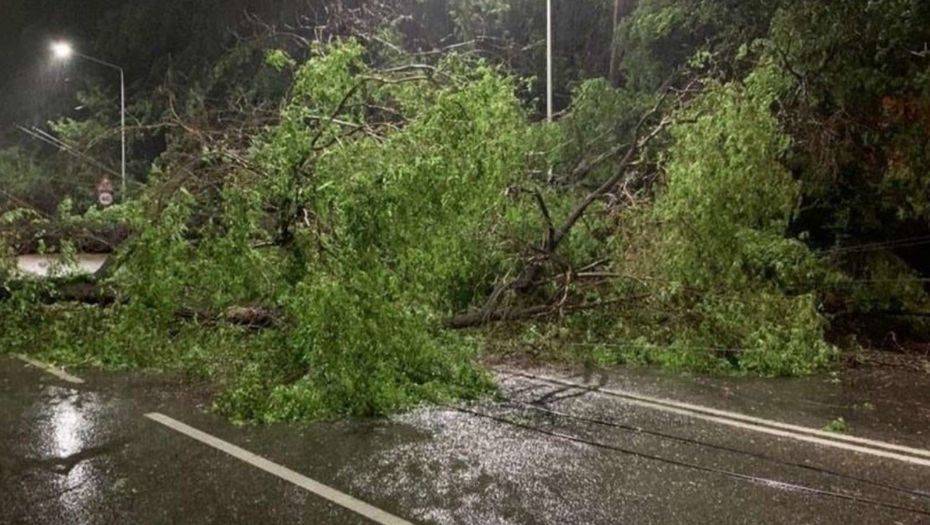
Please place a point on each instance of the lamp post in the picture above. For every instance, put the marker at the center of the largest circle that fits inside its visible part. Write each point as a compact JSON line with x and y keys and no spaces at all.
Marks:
{"x":64,"y":51}
{"x":549,"y":60}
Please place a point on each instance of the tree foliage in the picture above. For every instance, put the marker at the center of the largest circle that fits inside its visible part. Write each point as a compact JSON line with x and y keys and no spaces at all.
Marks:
{"x":745,"y":192}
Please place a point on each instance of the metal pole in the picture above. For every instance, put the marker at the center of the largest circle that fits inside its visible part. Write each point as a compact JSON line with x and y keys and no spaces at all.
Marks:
{"x":549,"y":60}
{"x":122,"y":103}
{"x":122,"y":107}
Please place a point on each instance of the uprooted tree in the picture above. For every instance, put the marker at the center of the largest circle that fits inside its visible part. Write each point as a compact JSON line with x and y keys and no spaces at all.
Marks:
{"x":740,"y":203}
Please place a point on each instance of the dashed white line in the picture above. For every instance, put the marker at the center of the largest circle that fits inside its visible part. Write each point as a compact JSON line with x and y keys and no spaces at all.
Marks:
{"x":765,"y":426}
{"x":57,"y":372}
{"x":340,"y":498}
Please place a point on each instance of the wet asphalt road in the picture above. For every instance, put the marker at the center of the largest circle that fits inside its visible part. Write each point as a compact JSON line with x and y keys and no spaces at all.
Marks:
{"x":548,"y":454}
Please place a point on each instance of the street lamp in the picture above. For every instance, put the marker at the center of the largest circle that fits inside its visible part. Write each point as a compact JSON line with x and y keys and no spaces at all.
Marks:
{"x":62,"y":50}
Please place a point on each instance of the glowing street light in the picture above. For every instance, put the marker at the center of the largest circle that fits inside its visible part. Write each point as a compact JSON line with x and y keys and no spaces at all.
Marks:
{"x":62,"y":51}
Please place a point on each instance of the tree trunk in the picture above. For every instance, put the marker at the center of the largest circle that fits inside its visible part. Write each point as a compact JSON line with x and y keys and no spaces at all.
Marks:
{"x":479,"y":318}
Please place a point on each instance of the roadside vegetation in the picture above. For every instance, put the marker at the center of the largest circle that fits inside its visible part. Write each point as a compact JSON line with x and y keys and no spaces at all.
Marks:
{"x":343,"y":223}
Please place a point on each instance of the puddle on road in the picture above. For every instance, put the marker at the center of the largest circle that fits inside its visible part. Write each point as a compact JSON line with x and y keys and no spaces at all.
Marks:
{"x":68,"y":449}
{"x":67,"y":425}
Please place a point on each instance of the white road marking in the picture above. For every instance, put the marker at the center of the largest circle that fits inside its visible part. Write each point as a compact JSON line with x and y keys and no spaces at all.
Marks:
{"x":57,"y":372}
{"x":766,"y":426}
{"x":340,"y":498}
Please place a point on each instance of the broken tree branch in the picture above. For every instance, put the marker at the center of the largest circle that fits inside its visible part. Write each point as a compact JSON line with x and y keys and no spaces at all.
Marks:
{"x":478,"y":318}
{"x":554,"y":236}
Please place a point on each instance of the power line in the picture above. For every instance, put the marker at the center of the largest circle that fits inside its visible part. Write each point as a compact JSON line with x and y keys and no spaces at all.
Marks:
{"x":881,"y":245}
{"x":25,"y":204}
{"x":70,"y":149}
{"x":40,"y":135}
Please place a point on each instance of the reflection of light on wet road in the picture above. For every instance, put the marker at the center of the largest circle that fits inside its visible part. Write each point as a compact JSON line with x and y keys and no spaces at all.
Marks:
{"x":67,"y":435}
{"x":67,"y":423}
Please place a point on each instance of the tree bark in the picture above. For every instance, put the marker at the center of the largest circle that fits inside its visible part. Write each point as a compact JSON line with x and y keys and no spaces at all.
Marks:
{"x":479,"y":318}
{"x":86,"y":290}
{"x":249,"y":316}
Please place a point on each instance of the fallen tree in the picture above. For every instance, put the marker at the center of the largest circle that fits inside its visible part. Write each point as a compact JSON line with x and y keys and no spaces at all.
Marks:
{"x":621,"y":158}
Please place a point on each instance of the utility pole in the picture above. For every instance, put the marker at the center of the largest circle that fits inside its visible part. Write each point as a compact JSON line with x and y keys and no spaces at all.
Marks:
{"x":122,"y":125}
{"x":549,"y":60}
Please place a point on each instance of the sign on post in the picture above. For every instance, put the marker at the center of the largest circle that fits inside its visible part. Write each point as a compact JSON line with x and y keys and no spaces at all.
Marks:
{"x":105,"y":192}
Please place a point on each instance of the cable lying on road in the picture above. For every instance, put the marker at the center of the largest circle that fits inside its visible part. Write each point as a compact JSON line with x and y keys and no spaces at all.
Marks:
{"x":763,"y":457}
{"x":914,"y":456}
{"x":683,"y":464}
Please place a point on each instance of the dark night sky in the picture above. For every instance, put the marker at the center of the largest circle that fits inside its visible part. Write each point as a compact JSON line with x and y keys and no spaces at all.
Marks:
{"x":148,"y":38}
{"x":143,"y":36}
{"x":31,"y":87}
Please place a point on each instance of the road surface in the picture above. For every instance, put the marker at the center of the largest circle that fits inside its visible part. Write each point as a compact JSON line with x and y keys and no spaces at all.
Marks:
{"x":625,"y":447}
{"x":44,"y":265}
